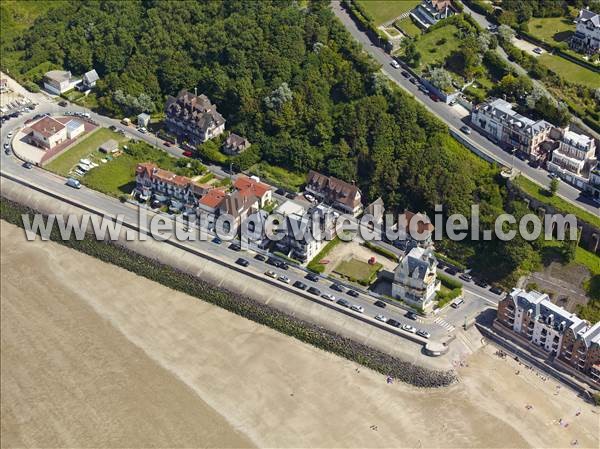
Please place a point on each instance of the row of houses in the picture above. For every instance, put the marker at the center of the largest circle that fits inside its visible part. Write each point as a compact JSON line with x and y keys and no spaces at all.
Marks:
{"x":570,"y":155}
{"x":565,"y":337}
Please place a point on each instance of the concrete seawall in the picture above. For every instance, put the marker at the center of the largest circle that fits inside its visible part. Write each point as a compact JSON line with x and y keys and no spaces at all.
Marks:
{"x":364,"y":330}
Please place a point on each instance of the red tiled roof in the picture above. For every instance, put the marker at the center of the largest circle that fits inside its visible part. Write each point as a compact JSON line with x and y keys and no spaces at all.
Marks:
{"x":249,"y":187}
{"x":146,"y":167}
{"x":422,"y":226}
{"x":47,"y":126}
{"x":213,"y":198}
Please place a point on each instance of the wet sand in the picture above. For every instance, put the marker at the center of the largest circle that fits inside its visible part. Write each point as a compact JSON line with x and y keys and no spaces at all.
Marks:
{"x":93,"y":355}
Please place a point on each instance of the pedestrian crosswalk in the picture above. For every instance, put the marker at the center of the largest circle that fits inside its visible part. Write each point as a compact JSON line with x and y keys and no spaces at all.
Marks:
{"x":443,"y":323}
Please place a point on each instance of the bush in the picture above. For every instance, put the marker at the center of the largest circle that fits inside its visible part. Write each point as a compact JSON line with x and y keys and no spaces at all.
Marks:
{"x":314,"y":264}
{"x":31,"y":86}
{"x":449,"y":282}
{"x":209,"y":151}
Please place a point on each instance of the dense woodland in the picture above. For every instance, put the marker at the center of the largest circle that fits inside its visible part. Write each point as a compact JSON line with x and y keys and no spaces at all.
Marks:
{"x":291,"y":79}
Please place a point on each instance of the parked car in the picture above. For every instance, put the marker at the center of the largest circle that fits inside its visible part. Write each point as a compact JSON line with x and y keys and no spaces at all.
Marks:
{"x":309,"y":197}
{"x":465,"y":129}
{"x":405,"y":74}
{"x":357,"y":308}
{"x":434,"y":97}
{"x":353,"y":293}
{"x":328,"y":296}
{"x":393,"y":322}
{"x":337,"y":287}
{"x":342,"y":302}
{"x":412,"y":80}
{"x":260,"y":257}
{"x":301,"y":285}
{"x":497,"y":290}
{"x":283,"y":278}
{"x":242,"y":262}
{"x":411,"y":315}
{"x":457,"y":303}
{"x":235,"y":247}
{"x":312,"y":277}
{"x":188,"y":153}
{"x":466,"y":277}
{"x":167,"y":143}
{"x":452,"y":271}
{"x":409,"y":328}
{"x":314,"y":291}
{"x":280,"y":192}
{"x":217,"y":240}
{"x":381,"y":318}
{"x":7,"y":151}
{"x":274,"y":262}
{"x":284,"y":266}
{"x":480,"y":283}
{"x":424,"y":334}
{"x":395,"y":64}
{"x":537,"y":50}
{"x":290,"y":196}
{"x":271,"y":274}
{"x":380,"y":303}
{"x":27,"y":165}
{"x":62,"y":103}
{"x":72,"y":182}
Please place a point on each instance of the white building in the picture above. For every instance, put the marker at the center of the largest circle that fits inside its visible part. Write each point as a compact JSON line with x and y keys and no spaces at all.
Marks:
{"x":586,"y":38}
{"x":89,"y":80}
{"x":497,"y":118}
{"x":574,"y":158}
{"x":430,"y":12}
{"x":143,"y":119}
{"x":415,"y":278}
{"x":48,"y":132}
{"x":74,"y":129}
{"x":59,"y":81}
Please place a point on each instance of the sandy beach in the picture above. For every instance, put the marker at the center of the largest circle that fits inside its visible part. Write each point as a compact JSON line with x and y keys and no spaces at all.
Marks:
{"x":92,"y":355}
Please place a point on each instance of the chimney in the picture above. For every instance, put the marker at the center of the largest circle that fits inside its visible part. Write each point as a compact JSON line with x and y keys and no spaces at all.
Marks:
{"x":196,"y":91}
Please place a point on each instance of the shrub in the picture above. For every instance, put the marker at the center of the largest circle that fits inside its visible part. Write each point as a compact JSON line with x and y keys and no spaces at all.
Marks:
{"x":449,"y":282}
{"x":314,"y":264}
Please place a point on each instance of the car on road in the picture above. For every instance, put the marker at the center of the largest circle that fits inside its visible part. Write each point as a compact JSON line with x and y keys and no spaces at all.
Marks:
{"x":284,"y":266}
{"x":434,"y":97}
{"x":155,"y":204}
{"x":337,"y":288}
{"x":409,"y":328}
{"x":312,"y":277}
{"x":412,"y":80}
{"x":328,"y":296}
{"x":466,"y":277}
{"x":497,"y":290}
{"x":537,"y":50}
{"x":283,"y":278}
{"x":457,"y":303}
{"x":301,"y":285}
{"x":217,"y":240}
{"x":290,"y":196}
{"x":342,"y":302}
{"x":309,"y":197}
{"x":452,"y":271}
{"x":314,"y":291}
{"x":395,"y":64}
{"x":381,"y":318}
{"x":9,"y":135}
{"x":27,"y":165}
{"x":424,"y":334}
{"x":235,"y":247}
{"x":167,"y":143}
{"x":242,"y":262}
{"x":423,"y":89}
{"x":480,"y":283}
{"x":62,"y":103}
{"x":188,"y":153}
{"x":260,"y":257}
{"x":7,"y":151}
{"x":380,"y":303}
{"x":72,"y":182}
{"x":353,"y":293}
{"x":393,"y":322}
{"x":465,"y":129}
{"x":271,"y":274}
{"x":280,"y":192}
{"x":274,"y":262}
{"x":405,"y":74}
{"x":411,"y":315}
{"x":357,"y":308}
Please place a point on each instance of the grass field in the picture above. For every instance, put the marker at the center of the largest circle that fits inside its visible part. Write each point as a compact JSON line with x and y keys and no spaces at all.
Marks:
{"x":540,"y":194}
{"x":570,"y":71}
{"x":408,"y":27}
{"x":437,"y":45}
{"x":552,"y":30}
{"x":357,"y":270}
{"x":88,"y":146}
{"x":278,"y":176}
{"x":383,"y":11}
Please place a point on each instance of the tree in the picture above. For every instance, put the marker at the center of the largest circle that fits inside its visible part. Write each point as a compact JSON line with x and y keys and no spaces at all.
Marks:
{"x":569,"y":249}
{"x":412,"y":55}
{"x":441,"y":79}
{"x":505,"y":33}
{"x":553,"y":187}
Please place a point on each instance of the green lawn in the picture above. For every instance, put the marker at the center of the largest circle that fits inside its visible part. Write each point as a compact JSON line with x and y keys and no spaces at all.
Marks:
{"x":116,"y":177}
{"x":408,"y":27}
{"x":437,"y":45}
{"x":358,"y":271}
{"x":383,"y":11}
{"x":570,"y":71}
{"x":540,"y":194}
{"x":552,"y":30}
{"x":278,"y":176}
{"x":84,"y":149}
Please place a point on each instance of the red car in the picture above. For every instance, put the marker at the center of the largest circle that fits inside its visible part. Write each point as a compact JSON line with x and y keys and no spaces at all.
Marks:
{"x":433,"y":97}
{"x":188,"y":153}
{"x":167,"y":144}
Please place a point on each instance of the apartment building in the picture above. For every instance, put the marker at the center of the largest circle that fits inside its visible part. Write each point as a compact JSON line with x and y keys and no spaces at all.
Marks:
{"x":586,"y":38}
{"x":335,"y":192}
{"x":430,"y":12}
{"x":563,"y":335}
{"x":574,"y":158}
{"x":193,"y":117}
{"x":415,"y":278}
{"x":510,"y":129}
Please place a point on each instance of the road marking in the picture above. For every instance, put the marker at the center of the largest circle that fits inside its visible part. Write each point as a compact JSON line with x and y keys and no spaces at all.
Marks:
{"x":443,"y":323}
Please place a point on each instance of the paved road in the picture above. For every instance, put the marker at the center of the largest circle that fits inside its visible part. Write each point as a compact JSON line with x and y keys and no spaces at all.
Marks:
{"x":454,"y":122}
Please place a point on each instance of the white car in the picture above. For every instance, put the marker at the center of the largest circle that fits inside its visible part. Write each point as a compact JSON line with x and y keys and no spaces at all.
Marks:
{"x":424,"y":334}
{"x":328,"y":297}
{"x":271,"y":274}
{"x":357,"y":308}
{"x":284,"y":278}
{"x":409,"y":328}
{"x":9,"y":135}
{"x":395,"y":64}
{"x":381,"y":318}
{"x":309,"y":197}
{"x":537,"y":50}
